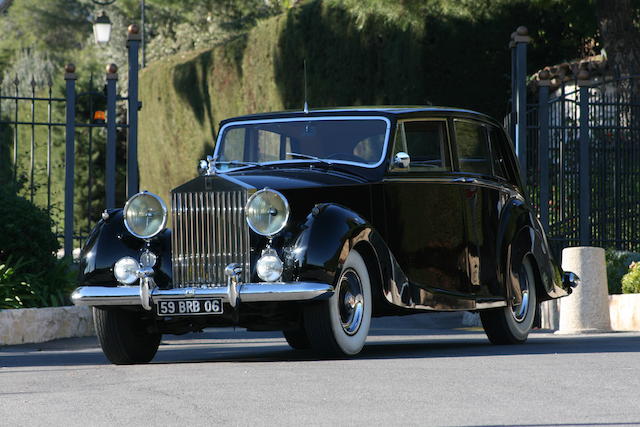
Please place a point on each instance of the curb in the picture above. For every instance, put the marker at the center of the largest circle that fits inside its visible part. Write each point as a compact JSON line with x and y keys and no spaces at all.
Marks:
{"x":35,"y":325}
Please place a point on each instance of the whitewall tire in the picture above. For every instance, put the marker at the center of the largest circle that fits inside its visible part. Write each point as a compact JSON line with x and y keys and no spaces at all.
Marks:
{"x":339,"y":326}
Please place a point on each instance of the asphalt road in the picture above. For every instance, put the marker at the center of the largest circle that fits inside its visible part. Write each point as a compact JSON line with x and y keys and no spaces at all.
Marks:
{"x":413,"y":371}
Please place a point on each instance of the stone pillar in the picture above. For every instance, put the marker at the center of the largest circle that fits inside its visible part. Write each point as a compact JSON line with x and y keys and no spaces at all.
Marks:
{"x":586,"y":310}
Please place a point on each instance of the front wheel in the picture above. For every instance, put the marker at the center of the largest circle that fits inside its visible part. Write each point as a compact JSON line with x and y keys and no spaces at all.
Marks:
{"x":511,"y":324}
{"x":339,"y":326}
{"x":297,"y":338}
{"x":124,"y":336}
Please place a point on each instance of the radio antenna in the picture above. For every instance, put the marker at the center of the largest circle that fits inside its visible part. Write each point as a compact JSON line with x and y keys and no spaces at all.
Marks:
{"x":306,"y":106}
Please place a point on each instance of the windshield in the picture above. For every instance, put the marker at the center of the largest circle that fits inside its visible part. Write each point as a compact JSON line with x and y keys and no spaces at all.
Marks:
{"x":352,"y":140}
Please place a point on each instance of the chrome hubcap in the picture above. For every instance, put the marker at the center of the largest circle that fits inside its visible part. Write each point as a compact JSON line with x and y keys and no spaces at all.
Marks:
{"x":519,"y":311}
{"x":351,"y":302}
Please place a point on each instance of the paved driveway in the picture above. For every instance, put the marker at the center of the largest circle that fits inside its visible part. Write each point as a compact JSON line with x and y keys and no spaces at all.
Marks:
{"x":413,"y":371}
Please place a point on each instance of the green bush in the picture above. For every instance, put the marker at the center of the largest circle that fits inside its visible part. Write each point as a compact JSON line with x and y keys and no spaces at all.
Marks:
{"x":14,"y":292}
{"x":631,"y":280}
{"x":617,"y":266}
{"x":30,"y":273}
{"x":25,"y":232}
{"x":20,"y":288}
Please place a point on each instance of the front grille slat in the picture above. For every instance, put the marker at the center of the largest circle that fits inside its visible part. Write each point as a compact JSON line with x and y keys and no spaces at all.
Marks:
{"x":209,"y":232}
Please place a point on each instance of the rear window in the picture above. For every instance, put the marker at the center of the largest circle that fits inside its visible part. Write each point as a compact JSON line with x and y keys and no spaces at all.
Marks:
{"x":473,"y":147}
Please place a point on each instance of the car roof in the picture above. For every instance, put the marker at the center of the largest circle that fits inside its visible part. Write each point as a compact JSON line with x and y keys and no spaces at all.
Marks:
{"x":395,"y":112}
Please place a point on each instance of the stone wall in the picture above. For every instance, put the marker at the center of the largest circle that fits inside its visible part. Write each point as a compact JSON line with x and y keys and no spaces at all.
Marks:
{"x":33,"y":325}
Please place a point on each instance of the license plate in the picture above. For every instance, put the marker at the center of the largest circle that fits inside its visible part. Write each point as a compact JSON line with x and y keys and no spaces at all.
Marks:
{"x":190,"y":307}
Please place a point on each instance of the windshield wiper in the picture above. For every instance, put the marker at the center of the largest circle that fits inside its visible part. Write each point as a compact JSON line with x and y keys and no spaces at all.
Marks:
{"x":237,"y":163}
{"x":309,"y":157}
{"x":336,"y":166}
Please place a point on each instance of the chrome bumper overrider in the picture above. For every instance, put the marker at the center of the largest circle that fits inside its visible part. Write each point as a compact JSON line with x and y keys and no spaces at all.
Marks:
{"x":243,"y":292}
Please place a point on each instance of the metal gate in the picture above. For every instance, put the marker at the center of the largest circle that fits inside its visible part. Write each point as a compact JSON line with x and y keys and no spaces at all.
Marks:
{"x":578,"y":141}
{"x":59,"y":146}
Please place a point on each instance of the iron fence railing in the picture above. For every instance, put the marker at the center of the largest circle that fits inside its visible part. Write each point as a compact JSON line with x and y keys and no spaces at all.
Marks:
{"x":62,"y":156}
{"x":588,"y":191}
{"x":578,"y":142}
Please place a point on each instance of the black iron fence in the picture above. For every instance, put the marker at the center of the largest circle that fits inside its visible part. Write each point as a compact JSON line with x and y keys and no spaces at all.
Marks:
{"x":578,"y":141}
{"x":72,"y":148}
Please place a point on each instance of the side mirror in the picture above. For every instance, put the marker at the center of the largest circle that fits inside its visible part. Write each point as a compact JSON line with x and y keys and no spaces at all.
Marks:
{"x":401,"y":160}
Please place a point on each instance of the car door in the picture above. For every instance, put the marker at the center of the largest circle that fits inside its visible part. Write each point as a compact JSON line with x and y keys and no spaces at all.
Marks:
{"x":425,"y":218}
{"x":486,"y":190}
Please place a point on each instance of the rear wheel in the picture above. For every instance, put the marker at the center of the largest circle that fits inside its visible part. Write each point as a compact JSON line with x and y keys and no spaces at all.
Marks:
{"x":339,"y":326}
{"x":511,"y":324}
{"x":124,"y":336}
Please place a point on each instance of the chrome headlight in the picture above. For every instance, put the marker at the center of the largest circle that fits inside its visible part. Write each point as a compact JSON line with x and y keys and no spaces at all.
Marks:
{"x":267,"y":212}
{"x":145,"y":215}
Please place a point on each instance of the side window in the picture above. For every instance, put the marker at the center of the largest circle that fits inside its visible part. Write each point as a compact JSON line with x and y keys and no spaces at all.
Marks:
{"x":473,"y":147}
{"x":425,"y":143}
{"x":496,"y":137}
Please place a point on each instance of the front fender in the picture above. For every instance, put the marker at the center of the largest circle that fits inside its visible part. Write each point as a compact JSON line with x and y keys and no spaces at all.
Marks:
{"x":109,"y":241}
{"x":329,"y":232}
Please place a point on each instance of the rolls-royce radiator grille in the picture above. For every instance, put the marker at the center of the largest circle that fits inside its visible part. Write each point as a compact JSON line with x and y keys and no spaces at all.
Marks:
{"x":209,"y":232}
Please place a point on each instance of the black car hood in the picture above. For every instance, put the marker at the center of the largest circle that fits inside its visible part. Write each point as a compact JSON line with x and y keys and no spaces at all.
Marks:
{"x":294,"y":178}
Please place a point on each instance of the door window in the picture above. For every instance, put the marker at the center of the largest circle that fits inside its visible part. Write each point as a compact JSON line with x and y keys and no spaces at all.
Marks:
{"x":425,"y":143}
{"x":473,"y":147}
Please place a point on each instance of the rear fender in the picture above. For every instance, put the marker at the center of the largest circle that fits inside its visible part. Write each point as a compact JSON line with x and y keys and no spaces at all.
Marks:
{"x":521,"y":235}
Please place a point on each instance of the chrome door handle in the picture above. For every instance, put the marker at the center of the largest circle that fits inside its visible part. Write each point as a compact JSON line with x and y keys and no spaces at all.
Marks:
{"x":465,"y":180}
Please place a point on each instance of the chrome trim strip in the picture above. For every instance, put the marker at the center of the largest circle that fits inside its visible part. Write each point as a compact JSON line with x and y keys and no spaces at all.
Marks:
{"x":247,"y":292}
{"x":449,"y":180}
{"x":490,"y":304}
{"x":308,"y":119}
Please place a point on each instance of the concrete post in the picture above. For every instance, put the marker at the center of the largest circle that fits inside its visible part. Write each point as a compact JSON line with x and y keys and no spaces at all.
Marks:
{"x":586,"y":310}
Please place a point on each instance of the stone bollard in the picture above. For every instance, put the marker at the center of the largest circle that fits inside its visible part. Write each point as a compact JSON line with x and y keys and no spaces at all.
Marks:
{"x":586,"y":310}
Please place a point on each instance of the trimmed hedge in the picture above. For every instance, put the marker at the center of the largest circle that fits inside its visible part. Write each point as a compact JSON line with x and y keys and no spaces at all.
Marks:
{"x":381,"y":52}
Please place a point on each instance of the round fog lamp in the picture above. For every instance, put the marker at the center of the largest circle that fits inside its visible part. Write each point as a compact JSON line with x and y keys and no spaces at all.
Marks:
{"x":269,"y":266}
{"x":125,"y":270}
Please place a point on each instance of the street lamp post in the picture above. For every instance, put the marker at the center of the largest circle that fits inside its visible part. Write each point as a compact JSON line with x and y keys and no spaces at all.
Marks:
{"x":102,"y":28}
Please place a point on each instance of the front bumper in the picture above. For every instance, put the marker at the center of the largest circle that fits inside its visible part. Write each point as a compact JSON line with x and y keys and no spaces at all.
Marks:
{"x":242,"y":292}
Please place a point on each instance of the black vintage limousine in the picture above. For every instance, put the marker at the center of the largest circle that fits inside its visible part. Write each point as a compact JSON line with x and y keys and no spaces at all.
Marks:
{"x":314,"y":222}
